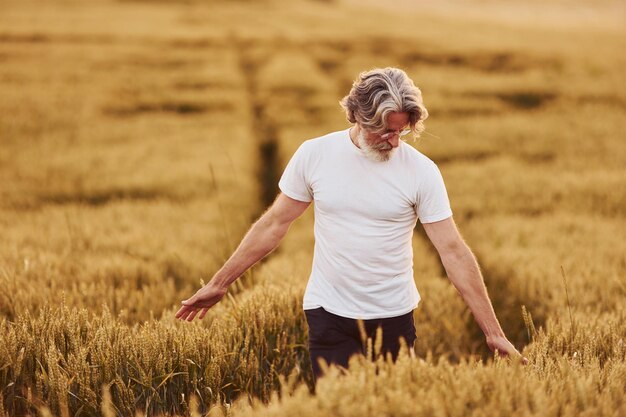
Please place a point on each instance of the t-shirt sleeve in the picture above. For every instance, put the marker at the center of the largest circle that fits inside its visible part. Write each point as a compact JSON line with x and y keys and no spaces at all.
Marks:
{"x":295,"y":182}
{"x":432,"y":198}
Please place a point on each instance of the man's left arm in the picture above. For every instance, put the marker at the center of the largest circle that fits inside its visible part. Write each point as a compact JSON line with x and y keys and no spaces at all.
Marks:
{"x":464,"y":272}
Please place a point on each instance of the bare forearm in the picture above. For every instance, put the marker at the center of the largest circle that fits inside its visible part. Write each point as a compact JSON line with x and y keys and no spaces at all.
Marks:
{"x":260,"y":240}
{"x":463,"y":271}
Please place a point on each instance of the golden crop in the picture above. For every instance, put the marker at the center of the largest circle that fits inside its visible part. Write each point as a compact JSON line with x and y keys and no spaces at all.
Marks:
{"x":139,"y":141}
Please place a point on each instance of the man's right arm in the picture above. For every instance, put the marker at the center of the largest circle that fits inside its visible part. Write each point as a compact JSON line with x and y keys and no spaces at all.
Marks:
{"x":263,"y":237}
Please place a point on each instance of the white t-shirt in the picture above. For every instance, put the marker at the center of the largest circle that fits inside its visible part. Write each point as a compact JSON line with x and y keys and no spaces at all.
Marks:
{"x":365,"y":213}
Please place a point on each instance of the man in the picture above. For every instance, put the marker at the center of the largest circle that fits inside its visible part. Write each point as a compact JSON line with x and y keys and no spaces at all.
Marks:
{"x":369,"y":189}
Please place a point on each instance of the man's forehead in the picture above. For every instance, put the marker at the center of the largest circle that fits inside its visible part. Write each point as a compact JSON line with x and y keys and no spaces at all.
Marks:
{"x":397,"y":120}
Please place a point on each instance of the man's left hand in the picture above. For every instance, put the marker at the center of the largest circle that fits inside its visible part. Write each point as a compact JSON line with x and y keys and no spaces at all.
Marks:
{"x":504,"y":347}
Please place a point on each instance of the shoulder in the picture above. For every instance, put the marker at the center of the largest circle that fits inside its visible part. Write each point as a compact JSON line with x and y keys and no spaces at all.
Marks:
{"x":416,"y":159}
{"x":321,"y":144}
{"x":422,"y":170}
{"x":312,"y":151}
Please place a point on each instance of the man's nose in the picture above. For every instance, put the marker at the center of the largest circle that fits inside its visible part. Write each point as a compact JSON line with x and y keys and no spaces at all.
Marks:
{"x":394,"y":141}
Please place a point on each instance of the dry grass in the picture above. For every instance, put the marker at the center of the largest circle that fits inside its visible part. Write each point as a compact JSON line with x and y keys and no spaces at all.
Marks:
{"x":138,"y":140}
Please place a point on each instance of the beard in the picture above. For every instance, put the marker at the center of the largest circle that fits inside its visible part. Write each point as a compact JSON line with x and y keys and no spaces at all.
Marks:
{"x":378,"y":152}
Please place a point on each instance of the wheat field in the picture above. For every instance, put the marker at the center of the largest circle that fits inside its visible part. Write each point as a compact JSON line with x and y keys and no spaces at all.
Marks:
{"x":140,"y":139}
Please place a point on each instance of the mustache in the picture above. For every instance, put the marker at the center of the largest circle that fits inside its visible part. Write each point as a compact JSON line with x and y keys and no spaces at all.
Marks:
{"x":384,"y":146}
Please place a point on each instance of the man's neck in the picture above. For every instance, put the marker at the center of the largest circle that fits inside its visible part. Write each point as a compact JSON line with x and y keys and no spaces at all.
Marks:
{"x":353,"y":132}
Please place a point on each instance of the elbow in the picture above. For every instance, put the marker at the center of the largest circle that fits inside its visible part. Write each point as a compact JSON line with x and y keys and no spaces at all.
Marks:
{"x":460,"y":263}
{"x":455,"y":252}
{"x":274,"y":229}
{"x":278,"y":231}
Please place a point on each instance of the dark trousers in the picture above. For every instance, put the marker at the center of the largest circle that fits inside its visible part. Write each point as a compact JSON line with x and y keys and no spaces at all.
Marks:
{"x":335,"y":339}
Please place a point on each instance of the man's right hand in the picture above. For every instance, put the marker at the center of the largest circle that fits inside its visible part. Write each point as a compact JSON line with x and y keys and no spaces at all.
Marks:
{"x":260,"y":240}
{"x":205,"y":298}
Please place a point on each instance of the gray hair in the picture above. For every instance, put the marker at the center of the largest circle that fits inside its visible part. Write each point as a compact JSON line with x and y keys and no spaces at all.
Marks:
{"x":381,"y":91}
